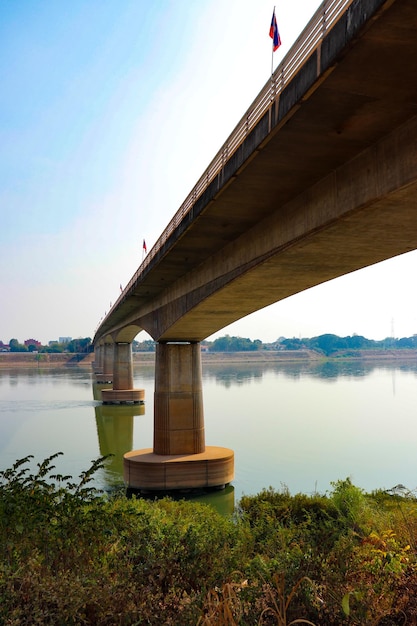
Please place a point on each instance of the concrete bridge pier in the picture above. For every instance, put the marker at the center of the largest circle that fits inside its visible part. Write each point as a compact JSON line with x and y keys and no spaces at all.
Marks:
{"x":179,"y":459}
{"x":106,"y":361}
{"x":97,"y":364}
{"x":123,"y":391}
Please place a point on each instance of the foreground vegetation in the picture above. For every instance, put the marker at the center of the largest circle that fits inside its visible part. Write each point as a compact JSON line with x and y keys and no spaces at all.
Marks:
{"x":71,"y":555}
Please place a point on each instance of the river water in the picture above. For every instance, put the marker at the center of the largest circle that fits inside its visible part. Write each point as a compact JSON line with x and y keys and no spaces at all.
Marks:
{"x":296,"y":425}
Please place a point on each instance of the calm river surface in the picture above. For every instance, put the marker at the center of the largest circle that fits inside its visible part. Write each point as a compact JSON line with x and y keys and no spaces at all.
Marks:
{"x":297,"y":425}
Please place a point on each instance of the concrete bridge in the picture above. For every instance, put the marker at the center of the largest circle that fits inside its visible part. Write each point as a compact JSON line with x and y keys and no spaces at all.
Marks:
{"x":318,"y":179}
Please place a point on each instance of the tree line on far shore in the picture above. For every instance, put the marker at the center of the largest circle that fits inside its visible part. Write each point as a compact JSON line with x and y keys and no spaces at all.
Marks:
{"x":326,"y":344}
{"x":76,"y":346}
{"x":329,"y":343}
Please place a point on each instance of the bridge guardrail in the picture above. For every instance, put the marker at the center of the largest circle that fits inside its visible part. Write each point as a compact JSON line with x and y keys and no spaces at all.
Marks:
{"x":309,"y":40}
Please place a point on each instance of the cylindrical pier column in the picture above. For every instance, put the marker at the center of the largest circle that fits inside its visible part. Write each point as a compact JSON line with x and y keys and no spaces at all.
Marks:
{"x":123,"y":391}
{"x":123,"y":366}
{"x":107,"y":355}
{"x":178,"y":400}
{"x":98,"y":359}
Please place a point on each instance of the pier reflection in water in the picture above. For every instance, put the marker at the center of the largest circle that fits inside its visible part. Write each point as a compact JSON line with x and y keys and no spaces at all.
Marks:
{"x":115,"y":436}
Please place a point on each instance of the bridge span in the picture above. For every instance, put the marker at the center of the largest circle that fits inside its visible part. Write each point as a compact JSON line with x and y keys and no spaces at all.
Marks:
{"x":318,"y":179}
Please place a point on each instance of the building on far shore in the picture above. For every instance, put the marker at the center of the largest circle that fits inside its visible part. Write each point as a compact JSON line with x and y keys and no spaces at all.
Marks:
{"x":32,"y":342}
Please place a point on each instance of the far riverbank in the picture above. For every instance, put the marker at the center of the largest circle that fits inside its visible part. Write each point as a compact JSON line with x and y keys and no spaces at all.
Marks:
{"x":56,"y":360}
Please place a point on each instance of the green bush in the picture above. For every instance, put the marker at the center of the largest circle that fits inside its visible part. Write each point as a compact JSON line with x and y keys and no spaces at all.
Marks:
{"x":73,"y":555}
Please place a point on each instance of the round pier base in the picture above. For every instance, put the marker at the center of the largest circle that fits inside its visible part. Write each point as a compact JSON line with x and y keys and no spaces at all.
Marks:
{"x":146,"y":471}
{"x":122,"y":396}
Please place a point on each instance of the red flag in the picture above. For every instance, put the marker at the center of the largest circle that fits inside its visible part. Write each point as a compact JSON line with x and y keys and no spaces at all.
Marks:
{"x":274,"y":33}
{"x":144,"y":247}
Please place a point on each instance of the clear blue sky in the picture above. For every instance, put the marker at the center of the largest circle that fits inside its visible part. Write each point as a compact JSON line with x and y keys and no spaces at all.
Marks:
{"x":109,"y":113}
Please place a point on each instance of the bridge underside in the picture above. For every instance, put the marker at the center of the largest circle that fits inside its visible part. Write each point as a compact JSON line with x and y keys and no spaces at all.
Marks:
{"x":325,"y":186}
{"x":363,"y":212}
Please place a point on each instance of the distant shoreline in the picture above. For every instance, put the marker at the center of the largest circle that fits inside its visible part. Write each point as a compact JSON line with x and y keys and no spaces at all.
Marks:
{"x":50,"y":360}
{"x":57,"y":360}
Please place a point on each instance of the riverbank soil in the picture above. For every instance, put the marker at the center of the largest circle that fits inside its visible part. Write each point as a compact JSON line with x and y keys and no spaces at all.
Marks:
{"x":33,"y":360}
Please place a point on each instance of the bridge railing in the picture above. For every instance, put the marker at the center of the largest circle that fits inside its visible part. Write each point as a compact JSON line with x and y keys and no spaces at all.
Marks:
{"x":308,"y":41}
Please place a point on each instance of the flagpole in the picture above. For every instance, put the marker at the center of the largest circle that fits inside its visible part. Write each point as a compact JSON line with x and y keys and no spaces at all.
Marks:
{"x":272,"y":53}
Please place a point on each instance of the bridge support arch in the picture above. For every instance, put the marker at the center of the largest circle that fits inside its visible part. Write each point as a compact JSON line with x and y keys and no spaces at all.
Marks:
{"x":179,"y":459}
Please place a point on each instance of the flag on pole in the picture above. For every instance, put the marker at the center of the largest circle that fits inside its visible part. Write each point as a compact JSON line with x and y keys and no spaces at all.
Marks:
{"x":274,"y":33}
{"x":121,"y":288}
{"x":144,"y":247}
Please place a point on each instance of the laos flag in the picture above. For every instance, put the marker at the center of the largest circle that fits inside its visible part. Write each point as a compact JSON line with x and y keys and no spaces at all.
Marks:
{"x":274,"y":33}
